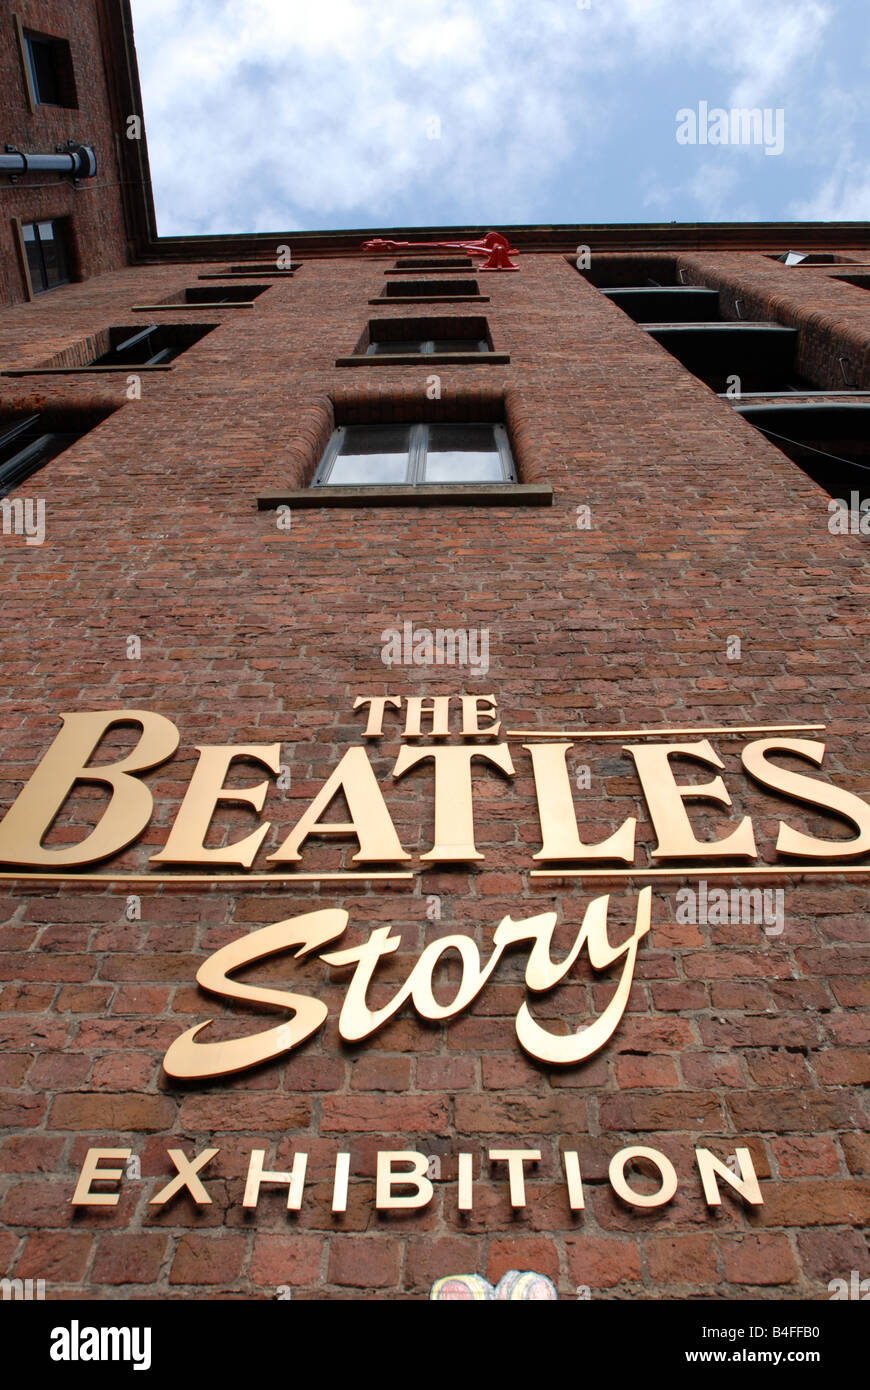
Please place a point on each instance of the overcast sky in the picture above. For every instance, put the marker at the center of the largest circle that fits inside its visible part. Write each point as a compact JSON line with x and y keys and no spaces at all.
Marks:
{"x":282,"y":115}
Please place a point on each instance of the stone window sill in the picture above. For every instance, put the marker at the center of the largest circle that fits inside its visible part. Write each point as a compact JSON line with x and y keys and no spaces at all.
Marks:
{"x":401,"y":495}
{"x":131,"y":370}
{"x":181,"y":307}
{"x":415,"y":359}
{"x":386,"y":300}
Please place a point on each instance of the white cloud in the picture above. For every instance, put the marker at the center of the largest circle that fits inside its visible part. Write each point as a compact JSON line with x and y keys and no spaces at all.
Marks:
{"x":316,"y":113}
{"x":844,"y":196}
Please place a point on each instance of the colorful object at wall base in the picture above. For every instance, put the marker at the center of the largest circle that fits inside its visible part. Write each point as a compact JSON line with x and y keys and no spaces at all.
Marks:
{"x":516,"y":1284}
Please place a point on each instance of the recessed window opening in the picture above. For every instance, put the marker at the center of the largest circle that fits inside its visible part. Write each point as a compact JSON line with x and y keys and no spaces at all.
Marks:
{"x":29,"y":440}
{"x":46,"y":252}
{"x":810,"y":258}
{"x":427,"y":335}
{"x":50,"y":68}
{"x":224,"y":294}
{"x":151,"y":346}
{"x":428,"y":289}
{"x":830,"y":443}
{"x":393,"y":455}
{"x":736,"y":357}
{"x":666,"y":304}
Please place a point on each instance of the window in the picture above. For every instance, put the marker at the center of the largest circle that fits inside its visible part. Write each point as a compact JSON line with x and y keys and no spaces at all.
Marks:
{"x":224,"y":294}
{"x":831,"y":443}
{"x":45,"y":249}
{"x":428,"y":289}
{"x":608,"y":270}
{"x":428,"y":345}
{"x":151,"y":346}
{"x":400,"y":342}
{"x":50,"y":70}
{"x":758,"y":356}
{"x":426,"y":335}
{"x":29,"y":441}
{"x":810,"y":258}
{"x":667,"y":303}
{"x":389,"y":455}
{"x":862,"y":281}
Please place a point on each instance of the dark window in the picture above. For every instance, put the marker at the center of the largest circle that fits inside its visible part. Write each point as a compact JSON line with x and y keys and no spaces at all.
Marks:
{"x":428,"y":345}
{"x":609,"y":270}
{"x":810,"y":258}
{"x":45,"y":248}
{"x":429,"y":288}
{"x":455,"y":345}
{"x":831,"y":443}
{"x":51,"y":71}
{"x":29,"y":441}
{"x":735,"y":357}
{"x":224,"y":294}
{"x":667,"y":303}
{"x":383,"y":455}
{"x":398,"y":345}
{"x":862,"y":281}
{"x":412,"y":336}
{"x":150,"y":346}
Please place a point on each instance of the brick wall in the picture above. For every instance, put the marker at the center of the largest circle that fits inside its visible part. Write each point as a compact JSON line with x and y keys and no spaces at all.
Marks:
{"x":252,"y":634}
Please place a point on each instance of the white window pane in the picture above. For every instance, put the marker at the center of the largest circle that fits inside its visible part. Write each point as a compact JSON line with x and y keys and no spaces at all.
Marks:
{"x":456,"y":345}
{"x":398,"y":345}
{"x":464,"y":467}
{"x":463,"y":453}
{"x":359,"y":470}
{"x":372,"y":455}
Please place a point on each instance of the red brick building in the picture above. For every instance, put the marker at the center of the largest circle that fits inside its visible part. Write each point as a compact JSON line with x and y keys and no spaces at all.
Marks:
{"x":601,"y":491}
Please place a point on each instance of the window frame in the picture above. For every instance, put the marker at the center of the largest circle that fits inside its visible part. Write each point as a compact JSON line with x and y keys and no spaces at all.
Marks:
{"x":457,"y":287}
{"x":426,"y":347}
{"x":60,"y":58}
{"x":33,"y":43}
{"x":40,"y":445}
{"x":60,"y":239}
{"x":418,"y":446}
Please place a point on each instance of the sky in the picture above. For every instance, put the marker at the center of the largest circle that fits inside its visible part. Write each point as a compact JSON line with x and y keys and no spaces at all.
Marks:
{"x":292,"y":115}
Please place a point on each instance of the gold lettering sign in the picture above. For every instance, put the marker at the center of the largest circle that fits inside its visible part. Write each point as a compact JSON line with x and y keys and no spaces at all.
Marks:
{"x":454,"y":815}
{"x":403,"y":1183}
{"x":205,"y":791}
{"x":557,"y":816}
{"x":31,"y":816}
{"x":370,"y":820}
{"x":666,"y":801}
{"x":189,"y":1058}
{"x":483,"y":749}
{"x":801,"y":788}
{"x":67,"y":764}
